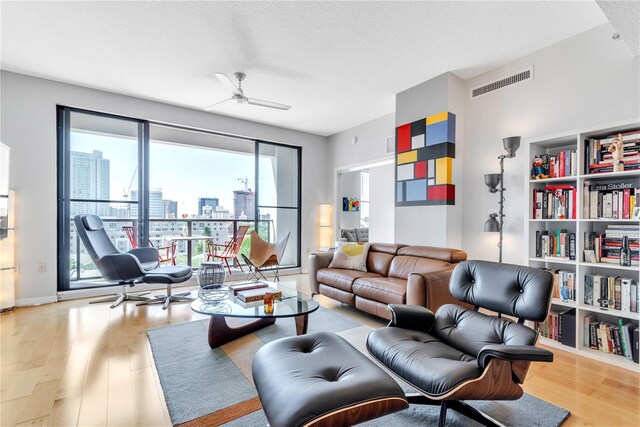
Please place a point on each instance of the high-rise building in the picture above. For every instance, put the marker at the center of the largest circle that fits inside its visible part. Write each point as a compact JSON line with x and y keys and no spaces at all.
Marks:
{"x":170,"y":209}
{"x":212,"y":202}
{"x":90,"y":179}
{"x":156,"y":204}
{"x":244,"y":204}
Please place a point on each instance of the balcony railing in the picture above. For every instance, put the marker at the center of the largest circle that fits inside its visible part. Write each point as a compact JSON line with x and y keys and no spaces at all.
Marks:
{"x":187,"y":252}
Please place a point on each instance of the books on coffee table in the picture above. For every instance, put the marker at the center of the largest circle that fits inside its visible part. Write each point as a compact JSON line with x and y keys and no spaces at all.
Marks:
{"x":252,"y":295}
{"x":247,"y":286}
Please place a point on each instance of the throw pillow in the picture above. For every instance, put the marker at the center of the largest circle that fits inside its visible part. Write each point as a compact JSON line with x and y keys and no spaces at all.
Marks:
{"x":349,"y":255}
{"x":349,"y":235}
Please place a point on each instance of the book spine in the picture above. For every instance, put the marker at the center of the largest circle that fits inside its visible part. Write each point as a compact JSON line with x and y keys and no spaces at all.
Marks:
{"x":561,"y":161}
{"x":626,"y":196}
{"x":572,"y":246}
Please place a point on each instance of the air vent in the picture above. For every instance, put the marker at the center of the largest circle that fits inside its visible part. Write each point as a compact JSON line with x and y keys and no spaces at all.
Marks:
{"x":511,"y":80}
{"x":390,"y":144}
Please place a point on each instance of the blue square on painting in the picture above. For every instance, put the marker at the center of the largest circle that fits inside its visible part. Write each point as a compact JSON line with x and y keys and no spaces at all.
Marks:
{"x":399,"y":195}
{"x":416,"y":190}
{"x":444,"y":131}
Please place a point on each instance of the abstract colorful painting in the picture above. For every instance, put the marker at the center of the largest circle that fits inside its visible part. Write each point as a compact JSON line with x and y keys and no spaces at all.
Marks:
{"x":425,"y":150}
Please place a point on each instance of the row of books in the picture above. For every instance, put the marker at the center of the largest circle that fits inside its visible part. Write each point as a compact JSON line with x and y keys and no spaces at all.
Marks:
{"x":564,"y":285}
{"x":565,"y":163}
{"x":560,"y":326}
{"x":598,"y":159}
{"x":619,"y":338}
{"x":605,"y":247}
{"x":554,"y":202}
{"x":615,"y":200}
{"x":559,"y":244}
{"x":619,"y":293}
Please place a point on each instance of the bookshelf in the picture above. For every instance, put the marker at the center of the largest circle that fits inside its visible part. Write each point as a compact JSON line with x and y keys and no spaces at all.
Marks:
{"x":575,"y":141}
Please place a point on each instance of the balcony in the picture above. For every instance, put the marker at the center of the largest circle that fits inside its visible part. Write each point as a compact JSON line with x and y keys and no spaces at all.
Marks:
{"x":84,"y":274}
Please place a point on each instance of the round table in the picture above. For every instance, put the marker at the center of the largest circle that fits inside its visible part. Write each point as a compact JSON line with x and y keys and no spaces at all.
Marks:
{"x":292,"y":304}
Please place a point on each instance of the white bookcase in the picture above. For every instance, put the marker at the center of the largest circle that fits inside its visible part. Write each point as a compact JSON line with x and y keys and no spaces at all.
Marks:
{"x":575,"y":141}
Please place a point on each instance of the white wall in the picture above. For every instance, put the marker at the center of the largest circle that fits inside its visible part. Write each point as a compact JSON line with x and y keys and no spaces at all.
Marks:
{"x":28,"y":126}
{"x":584,"y":81}
{"x":381,"y":204}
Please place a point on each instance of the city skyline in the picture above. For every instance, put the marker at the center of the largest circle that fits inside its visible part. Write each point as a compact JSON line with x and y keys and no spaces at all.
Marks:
{"x":182,"y":173}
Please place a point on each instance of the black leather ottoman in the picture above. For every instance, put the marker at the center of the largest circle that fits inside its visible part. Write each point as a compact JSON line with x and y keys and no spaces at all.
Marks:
{"x":321,"y":380}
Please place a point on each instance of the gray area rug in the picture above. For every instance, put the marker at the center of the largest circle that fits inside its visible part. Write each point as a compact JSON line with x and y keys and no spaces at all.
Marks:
{"x":197,"y":380}
{"x":528,"y":411}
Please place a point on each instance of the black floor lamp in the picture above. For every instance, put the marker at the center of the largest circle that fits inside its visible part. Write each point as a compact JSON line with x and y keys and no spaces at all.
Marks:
{"x":492,"y":180}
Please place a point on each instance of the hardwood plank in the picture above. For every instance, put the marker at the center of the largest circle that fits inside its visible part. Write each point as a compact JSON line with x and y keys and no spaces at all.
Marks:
{"x":72,"y":363}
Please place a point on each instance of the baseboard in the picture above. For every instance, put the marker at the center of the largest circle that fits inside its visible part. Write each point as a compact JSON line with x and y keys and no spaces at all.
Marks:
{"x":25,"y":302}
{"x":109,"y":290}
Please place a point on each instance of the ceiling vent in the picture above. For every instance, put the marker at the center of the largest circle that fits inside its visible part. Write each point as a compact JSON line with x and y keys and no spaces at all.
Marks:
{"x":502,"y":83}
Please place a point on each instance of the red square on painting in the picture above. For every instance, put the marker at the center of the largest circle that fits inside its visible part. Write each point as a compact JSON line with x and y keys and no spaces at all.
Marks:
{"x":420,"y":170}
{"x":404,"y":138}
{"x":441,"y":192}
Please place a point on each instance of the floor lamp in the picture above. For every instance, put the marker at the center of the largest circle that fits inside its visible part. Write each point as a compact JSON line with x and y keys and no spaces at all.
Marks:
{"x":492,"y":180}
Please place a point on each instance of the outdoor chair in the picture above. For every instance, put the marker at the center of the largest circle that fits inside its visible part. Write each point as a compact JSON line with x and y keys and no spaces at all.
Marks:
{"x":229,"y":250}
{"x":166,"y":253}
{"x":127,"y":269}
{"x":264,"y":256}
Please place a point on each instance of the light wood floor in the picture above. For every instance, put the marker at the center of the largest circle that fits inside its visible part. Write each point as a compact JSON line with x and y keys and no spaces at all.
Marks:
{"x":72,"y":363}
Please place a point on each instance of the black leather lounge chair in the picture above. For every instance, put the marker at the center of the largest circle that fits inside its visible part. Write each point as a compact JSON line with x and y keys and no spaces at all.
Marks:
{"x":140,"y":264}
{"x":462,"y":354}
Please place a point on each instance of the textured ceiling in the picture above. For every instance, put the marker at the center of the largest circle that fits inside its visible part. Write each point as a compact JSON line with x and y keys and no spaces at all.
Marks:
{"x":338,"y":64}
{"x":625,"y":18}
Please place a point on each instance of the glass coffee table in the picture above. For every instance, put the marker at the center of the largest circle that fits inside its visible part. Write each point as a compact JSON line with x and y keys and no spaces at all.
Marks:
{"x":292,"y":304}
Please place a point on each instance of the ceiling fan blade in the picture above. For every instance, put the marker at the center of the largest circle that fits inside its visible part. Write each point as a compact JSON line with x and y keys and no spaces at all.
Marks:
{"x":263,"y":103}
{"x":210,"y":107}
{"x":226,"y":82}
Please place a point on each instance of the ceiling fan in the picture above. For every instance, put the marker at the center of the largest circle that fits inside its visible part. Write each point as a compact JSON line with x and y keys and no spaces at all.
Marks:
{"x":237,"y":94}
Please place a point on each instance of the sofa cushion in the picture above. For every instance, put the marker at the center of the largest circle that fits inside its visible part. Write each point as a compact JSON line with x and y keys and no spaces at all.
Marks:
{"x":379,"y":262}
{"x":348,"y":234}
{"x":383,"y":289}
{"x":403,"y":265}
{"x":362,"y":234}
{"x":387,"y":248}
{"x":442,"y":254}
{"x":341,"y":278}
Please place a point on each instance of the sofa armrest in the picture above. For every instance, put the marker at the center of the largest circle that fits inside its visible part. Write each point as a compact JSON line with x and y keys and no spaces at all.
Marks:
{"x":513,"y":353}
{"x":431,"y":290}
{"x":411,"y":317}
{"x":316,"y":262}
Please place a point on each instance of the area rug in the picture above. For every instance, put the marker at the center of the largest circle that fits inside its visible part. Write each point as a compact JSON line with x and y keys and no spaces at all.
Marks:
{"x":203,"y":387}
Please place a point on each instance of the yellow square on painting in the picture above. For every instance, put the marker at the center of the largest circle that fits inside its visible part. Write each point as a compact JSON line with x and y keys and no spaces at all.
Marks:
{"x":440,"y":117}
{"x":443,"y":170}
{"x":408,"y":157}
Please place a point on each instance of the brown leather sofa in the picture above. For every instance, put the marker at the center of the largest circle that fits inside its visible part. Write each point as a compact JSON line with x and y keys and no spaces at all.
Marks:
{"x":396,"y":274}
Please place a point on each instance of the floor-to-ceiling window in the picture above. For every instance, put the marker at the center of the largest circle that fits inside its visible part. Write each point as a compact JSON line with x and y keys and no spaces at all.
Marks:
{"x":168,"y":181}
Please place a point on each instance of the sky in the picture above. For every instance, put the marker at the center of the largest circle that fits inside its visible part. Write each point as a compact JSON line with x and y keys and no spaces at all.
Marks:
{"x":183,"y":173}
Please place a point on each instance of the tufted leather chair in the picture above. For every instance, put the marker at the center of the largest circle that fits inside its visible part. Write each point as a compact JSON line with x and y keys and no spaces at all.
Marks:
{"x":462,"y":354}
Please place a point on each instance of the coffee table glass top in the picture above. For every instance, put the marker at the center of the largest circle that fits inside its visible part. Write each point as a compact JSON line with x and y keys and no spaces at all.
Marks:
{"x":291,"y":304}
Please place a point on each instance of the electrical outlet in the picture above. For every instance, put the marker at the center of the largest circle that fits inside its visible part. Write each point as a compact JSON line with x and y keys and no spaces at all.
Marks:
{"x":42,"y":267}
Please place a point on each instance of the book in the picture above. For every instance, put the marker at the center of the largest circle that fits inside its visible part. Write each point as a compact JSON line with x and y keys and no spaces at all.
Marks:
{"x":636,"y":337}
{"x":567,"y":330}
{"x":252,"y":295}
{"x":247,"y":286}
